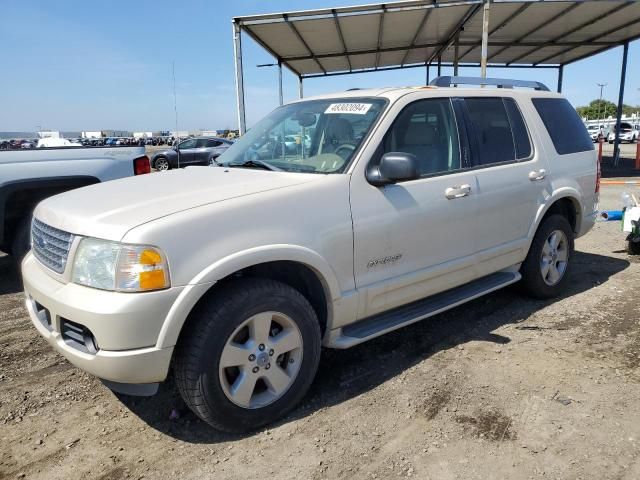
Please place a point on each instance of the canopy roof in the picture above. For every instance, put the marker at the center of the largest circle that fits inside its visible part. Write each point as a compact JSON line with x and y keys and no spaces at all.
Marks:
{"x":410,"y":33}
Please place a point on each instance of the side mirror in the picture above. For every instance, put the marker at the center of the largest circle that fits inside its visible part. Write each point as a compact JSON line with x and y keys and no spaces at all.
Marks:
{"x":394,"y":167}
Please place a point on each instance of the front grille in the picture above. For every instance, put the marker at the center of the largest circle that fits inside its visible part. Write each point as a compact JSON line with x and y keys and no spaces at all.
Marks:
{"x":50,"y":245}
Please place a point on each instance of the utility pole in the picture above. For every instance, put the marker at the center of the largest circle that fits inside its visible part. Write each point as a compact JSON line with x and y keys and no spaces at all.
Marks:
{"x":601,"y":85}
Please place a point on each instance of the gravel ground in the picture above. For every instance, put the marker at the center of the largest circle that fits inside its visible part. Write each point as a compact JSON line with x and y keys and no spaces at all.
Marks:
{"x":502,"y":387}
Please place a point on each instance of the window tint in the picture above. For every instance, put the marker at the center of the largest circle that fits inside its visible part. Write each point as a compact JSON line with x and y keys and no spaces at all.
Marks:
{"x":494,"y":137}
{"x":213,"y":143}
{"x":427,"y":129}
{"x":519,"y":129}
{"x":565,"y":128}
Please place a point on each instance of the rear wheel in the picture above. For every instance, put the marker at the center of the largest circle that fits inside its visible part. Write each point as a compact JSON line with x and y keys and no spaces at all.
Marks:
{"x":248,"y":354}
{"x":161,"y":164}
{"x":545,"y":270}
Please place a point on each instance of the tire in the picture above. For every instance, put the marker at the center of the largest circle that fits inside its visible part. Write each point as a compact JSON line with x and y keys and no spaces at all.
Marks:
{"x":213,"y":162}
{"x":208,"y":388}
{"x":538,"y":281}
{"x":22,"y":241}
{"x":162,"y":164}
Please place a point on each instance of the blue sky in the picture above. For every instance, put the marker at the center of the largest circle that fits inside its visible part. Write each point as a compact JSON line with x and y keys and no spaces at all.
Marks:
{"x":79,"y":65}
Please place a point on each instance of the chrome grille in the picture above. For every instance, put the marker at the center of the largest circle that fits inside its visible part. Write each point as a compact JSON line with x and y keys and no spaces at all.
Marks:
{"x":50,"y":245}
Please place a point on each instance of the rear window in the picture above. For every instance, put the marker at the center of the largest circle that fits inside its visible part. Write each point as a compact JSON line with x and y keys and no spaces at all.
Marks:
{"x":563,"y":123}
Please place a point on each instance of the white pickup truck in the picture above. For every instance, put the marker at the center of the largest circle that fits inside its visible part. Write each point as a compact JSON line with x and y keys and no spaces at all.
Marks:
{"x":404,"y":203}
{"x":29,"y":176}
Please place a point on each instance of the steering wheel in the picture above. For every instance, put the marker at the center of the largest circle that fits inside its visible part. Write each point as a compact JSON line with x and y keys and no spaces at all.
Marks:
{"x":347,"y":149}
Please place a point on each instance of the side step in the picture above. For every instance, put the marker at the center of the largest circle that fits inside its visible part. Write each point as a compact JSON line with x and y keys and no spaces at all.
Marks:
{"x":382,"y":323}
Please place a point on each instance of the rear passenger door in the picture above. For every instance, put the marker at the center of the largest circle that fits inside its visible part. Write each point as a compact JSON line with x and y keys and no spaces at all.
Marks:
{"x":512,"y":178}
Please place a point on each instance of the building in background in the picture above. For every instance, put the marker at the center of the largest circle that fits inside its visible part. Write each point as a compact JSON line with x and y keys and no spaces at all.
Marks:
{"x":91,"y":134}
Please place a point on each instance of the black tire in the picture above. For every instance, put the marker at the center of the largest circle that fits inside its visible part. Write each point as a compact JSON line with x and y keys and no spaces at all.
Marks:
{"x":212,"y":323}
{"x":533,"y":283}
{"x":22,"y":241}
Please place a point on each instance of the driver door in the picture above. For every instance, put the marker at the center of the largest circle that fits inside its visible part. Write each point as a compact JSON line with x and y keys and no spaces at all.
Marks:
{"x":187,"y":151}
{"x":414,"y":239}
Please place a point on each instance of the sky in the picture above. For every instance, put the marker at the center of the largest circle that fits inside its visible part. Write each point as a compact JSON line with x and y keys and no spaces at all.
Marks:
{"x":87,"y":65}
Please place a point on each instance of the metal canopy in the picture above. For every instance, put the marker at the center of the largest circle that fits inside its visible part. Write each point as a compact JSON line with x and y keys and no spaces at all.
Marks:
{"x":411,"y":33}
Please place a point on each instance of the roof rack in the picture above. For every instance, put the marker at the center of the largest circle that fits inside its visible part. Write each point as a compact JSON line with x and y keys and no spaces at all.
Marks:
{"x":447,"y":81}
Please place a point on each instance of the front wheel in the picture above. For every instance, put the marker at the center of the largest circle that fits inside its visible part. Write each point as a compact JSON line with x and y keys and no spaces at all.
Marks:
{"x":248,"y":354}
{"x":545,"y":270}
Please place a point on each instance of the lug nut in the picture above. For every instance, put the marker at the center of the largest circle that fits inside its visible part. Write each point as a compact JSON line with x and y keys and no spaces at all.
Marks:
{"x":252,"y":357}
{"x":261,"y":347}
{"x":255,"y":369}
{"x":271,"y":352}
{"x":267,"y":366}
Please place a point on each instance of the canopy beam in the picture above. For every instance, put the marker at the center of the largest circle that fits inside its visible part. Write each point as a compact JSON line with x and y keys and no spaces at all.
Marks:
{"x":422,"y":24}
{"x":537,"y":27}
{"x":341,"y":37}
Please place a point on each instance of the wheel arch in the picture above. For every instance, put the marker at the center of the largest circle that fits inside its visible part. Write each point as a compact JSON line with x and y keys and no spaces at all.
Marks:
{"x":297,"y":267}
{"x":565,"y":204}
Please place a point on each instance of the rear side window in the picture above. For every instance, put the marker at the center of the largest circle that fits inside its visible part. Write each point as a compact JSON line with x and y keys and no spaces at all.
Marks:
{"x":500,"y":132}
{"x":563,"y":124}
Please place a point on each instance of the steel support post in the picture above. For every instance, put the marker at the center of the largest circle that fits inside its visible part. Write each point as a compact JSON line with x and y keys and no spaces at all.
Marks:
{"x":237,"y":51}
{"x":623,"y":77}
{"x":485,"y":39}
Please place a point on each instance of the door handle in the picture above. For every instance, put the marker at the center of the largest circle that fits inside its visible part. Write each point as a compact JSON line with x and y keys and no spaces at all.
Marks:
{"x":537,"y":175}
{"x":457,"y":191}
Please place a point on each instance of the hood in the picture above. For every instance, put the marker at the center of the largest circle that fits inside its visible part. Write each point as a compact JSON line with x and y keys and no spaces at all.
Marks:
{"x":109,"y":210}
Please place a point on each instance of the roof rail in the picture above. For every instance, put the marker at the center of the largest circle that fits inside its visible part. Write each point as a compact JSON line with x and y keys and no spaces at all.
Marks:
{"x":447,"y":81}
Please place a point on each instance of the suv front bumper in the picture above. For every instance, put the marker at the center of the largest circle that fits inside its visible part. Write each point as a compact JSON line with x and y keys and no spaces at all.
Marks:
{"x":108,"y":334}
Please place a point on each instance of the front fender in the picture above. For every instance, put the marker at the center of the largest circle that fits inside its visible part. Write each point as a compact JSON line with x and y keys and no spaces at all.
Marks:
{"x":224,"y":267}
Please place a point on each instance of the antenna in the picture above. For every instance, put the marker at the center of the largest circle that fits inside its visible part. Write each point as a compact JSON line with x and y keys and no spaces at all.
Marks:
{"x":175,"y":108}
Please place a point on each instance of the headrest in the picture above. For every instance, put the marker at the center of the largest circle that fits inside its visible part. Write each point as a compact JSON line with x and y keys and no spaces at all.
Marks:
{"x":419,"y":134}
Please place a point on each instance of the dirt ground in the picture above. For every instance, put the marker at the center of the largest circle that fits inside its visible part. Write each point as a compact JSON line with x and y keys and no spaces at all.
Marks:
{"x":502,"y":387}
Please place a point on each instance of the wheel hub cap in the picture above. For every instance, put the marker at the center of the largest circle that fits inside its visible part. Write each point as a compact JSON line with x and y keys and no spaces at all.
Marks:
{"x":261,"y":360}
{"x":554,"y":257}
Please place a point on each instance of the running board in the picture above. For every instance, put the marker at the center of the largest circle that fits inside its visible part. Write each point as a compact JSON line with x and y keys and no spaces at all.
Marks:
{"x":382,"y":323}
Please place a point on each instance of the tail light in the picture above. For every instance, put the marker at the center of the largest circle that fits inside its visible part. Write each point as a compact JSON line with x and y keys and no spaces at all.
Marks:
{"x":141,"y":165}
{"x":598,"y":175}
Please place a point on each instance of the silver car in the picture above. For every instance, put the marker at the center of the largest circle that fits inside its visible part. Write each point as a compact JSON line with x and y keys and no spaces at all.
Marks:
{"x":192,"y":151}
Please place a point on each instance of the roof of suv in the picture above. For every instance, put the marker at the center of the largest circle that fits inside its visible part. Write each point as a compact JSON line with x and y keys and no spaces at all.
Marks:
{"x":393,"y":93}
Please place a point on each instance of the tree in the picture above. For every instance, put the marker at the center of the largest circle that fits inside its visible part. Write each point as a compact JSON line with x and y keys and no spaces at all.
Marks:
{"x":596,"y":110}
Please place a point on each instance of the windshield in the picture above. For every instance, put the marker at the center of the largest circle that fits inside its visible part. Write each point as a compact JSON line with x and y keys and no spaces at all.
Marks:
{"x":313,"y":136}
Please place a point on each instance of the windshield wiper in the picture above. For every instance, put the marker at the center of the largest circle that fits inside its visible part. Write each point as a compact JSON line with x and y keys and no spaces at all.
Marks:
{"x":258,"y":164}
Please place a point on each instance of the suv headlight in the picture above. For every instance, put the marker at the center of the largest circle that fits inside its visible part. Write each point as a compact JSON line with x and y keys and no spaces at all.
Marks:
{"x":120,"y":267}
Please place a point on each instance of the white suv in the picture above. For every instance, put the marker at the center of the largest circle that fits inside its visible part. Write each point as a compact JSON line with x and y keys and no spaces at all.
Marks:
{"x":404,"y":203}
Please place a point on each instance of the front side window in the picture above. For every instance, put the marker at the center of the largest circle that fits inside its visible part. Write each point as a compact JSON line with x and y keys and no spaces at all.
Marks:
{"x":500,"y":133}
{"x":426,"y":129}
{"x":311,"y":136}
{"x":191,"y":143}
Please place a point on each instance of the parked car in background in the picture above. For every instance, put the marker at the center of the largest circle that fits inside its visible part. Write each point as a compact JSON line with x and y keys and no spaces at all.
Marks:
{"x":193,"y":151}
{"x":596,"y":132}
{"x":56,"y":142}
{"x":627,"y":133}
{"x":408,"y":202}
